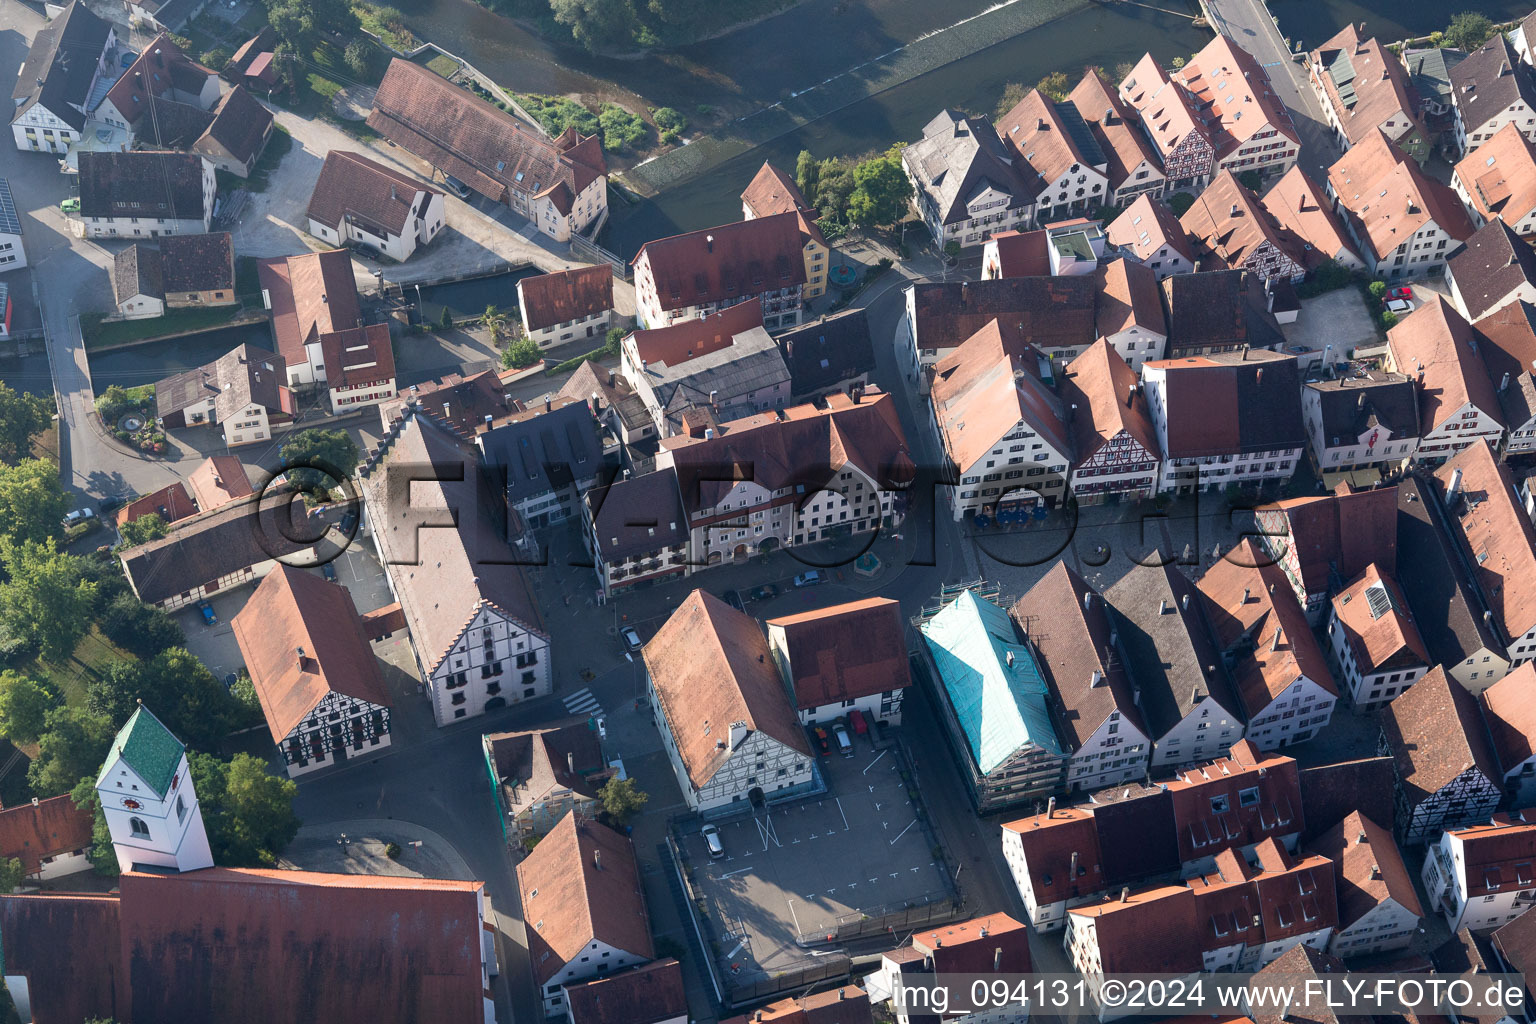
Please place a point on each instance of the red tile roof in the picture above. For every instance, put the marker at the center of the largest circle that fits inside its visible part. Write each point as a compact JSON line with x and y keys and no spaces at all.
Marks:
{"x":1500,"y":176}
{"x":1509,"y":708}
{"x":1436,"y":344}
{"x":1230,"y":402}
{"x":310,"y":295}
{"x":352,"y":185}
{"x":847,"y":1004}
{"x":677,"y":343}
{"x":1061,"y":850}
{"x":581,"y":885}
{"x":1152,"y":931}
{"x":169,"y":503}
{"x":301,"y":639}
{"x":1247,"y":595}
{"x":1234,"y":91}
{"x":1380,"y":642}
{"x":971,"y":946}
{"x":1148,"y":226}
{"x":1233,"y":223}
{"x":43,"y":828}
{"x":218,"y":480}
{"x":1498,"y":855}
{"x":1128,"y":297}
{"x":1368,"y":868}
{"x":1022,"y":253}
{"x":1099,"y":384}
{"x":357,"y":355}
{"x":1498,"y":536}
{"x":1301,"y":207}
{"x":1434,"y":732}
{"x":727,"y":262}
{"x":1374,"y":165}
{"x":67,"y":946}
{"x":985,"y":387}
{"x":710,"y":667}
{"x":550,"y":299}
{"x":1343,"y":532}
{"x":638,"y":995}
{"x":1381,"y":90}
{"x":845,"y":651}
{"x":1203,"y":830}
{"x":1115,"y":127}
{"x":1035,"y":131}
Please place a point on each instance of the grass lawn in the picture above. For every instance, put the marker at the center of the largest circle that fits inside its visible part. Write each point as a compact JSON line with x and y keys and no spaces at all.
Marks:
{"x":46,"y":445}
{"x":252,"y":21}
{"x":444,"y":65}
{"x":92,"y":656}
{"x":178,"y":321}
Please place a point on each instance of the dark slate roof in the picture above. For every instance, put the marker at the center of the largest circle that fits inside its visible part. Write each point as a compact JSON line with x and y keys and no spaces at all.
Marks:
{"x":142,"y":183}
{"x":136,"y":271}
{"x":58,"y":70}
{"x":195,"y":263}
{"x":827,"y":350}
{"x":1048,"y":312}
{"x":1430,"y":71}
{"x":1169,"y":648}
{"x":638,"y":515}
{"x":1494,"y":262}
{"x":959,"y":157}
{"x":240,"y":124}
{"x":1434,"y":580}
{"x":1138,"y":837}
{"x":1349,"y":406}
{"x":237,"y":378}
{"x":176,"y":125}
{"x":1217,"y":308}
{"x":1491,"y":79}
{"x":1232,"y":402}
{"x":542,"y":451}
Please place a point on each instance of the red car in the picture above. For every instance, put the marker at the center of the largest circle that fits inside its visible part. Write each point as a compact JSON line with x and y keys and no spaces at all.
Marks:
{"x":856,"y":719}
{"x":1401,"y":293}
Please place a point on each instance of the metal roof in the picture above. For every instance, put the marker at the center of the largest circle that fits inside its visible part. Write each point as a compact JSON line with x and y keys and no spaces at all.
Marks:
{"x":148,"y":748}
{"x":992,"y":680}
{"x":10,"y":223}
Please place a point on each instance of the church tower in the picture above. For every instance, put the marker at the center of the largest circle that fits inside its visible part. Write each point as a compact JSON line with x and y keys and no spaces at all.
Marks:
{"x":146,"y":794}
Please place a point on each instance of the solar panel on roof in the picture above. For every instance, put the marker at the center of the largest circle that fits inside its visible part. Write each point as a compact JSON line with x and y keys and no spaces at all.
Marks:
{"x":1379,"y":601}
{"x":9,"y":222}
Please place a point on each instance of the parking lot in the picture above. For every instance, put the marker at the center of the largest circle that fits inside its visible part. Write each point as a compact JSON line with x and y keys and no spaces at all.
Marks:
{"x":795,"y":869}
{"x":356,"y":568}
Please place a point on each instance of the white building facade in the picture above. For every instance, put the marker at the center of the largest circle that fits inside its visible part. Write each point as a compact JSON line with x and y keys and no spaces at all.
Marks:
{"x":148,"y":799}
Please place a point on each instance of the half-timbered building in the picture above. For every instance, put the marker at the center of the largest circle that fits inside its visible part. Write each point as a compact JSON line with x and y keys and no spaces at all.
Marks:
{"x":1115,"y":444}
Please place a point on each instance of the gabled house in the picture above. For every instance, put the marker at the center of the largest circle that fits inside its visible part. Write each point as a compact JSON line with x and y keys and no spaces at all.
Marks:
{"x":459,"y":403}
{"x":652,"y":993}
{"x":568,"y":305}
{"x":1509,"y":708}
{"x":238,"y":134}
{"x":995,"y":702}
{"x":1002,"y":429}
{"x":1360,"y":422}
{"x":1498,"y":181}
{"x":540,"y":776}
{"x":160,"y":78}
{"x":829,"y":354}
{"x":1458,"y":404}
{"x":725,"y":721}
{"x":1132,"y":166}
{"x":847,"y":1004}
{"x":1115,"y":445}
{"x":560,"y":184}
{"x":1170,"y":116}
{"x":1495,"y":267}
{"x":1099,"y":719}
{"x":1056,"y":314}
{"x":70,"y":58}
{"x":1149,"y":232}
{"x":356,"y":199}
{"x":313,"y":670}
{"x":637,"y":531}
{"x":1429,"y":71}
{"x":359,"y":367}
{"x":219,"y":480}
{"x":1373,"y":641}
{"x":1300,"y":209}
{"x":1365,"y":88}
{"x":198,"y":270}
{"x":1181,"y":684}
{"x":1506,"y":339}
{"x":310,"y":296}
{"x":1128,"y":312}
{"x":1253,"y":913}
{"x":478,"y":637}
{"x":771,"y":191}
{"x":994,"y":943}
{"x":1017,"y":254}
{"x":549,"y":455}
{"x":144,"y":194}
{"x":1279,"y":672}
{"x":1447,"y":774}
{"x":1498,"y":541}
{"x":1484,"y":875}
{"x":1379,"y":910}
{"x":242,"y":390}
{"x":50,"y":838}
{"x":1320,"y":542}
{"x":844,"y":658}
{"x":1053,"y":140}
{"x":1231,"y":225}
{"x":1490,"y":88}
{"x":585,"y":907}
{"x":688,"y":276}
{"x":1403,"y":222}
{"x":967,"y":184}
{"x":1218,"y":311}
{"x":1154,"y":930}
{"x":171,"y":503}
{"x":136,"y":282}
{"x":1226,"y":418}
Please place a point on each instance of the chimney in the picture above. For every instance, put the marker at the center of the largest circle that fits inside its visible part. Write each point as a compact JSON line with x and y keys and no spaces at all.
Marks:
{"x":1087,"y":600}
{"x":1050,"y":810}
{"x":1504,"y":384}
{"x":570,"y":761}
{"x":1274,"y":641}
{"x":1360,"y":837}
{"x":1233,"y":211}
{"x":1130,"y":395}
{"x":1454,"y":490}
{"x":714,"y":399}
{"x":597,"y":859}
{"x":445,"y":411}
{"x":1162,"y":607}
{"x":393,"y":195}
{"x":709,"y":241}
{"x":1246,"y":594}
{"x":1185,"y":602}
{"x":1125,"y":894}
{"x":841,"y":995}
{"x":1375,"y":871}
{"x":488,"y":418}
{"x":546,"y":403}
{"x":709,"y":433}
{"x":997,"y":957}
{"x":1258,"y":378}
{"x":1072,"y":870}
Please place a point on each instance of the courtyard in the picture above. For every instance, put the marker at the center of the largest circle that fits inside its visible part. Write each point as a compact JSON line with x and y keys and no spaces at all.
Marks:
{"x":796,"y":872}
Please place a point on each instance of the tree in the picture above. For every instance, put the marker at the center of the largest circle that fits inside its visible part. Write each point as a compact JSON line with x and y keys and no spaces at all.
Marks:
{"x":24,"y":706}
{"x":807,"y":175}
{"x":522,"y":352}
{"x":615,"y":341}
{"x":834,"y":188}
{"x":881,"y":191}
{"x":1378,"y":290}
{"x":446,"y":320}
{"x":1250,"y":180}
{"x":215,"y":59}
{"x":359,"y":57}
{"x":248,"y":811}
{"x":496,"y":322}
{"x":622,"y":800}
{"x":325,"y":458}
{"x":103,"y":856}
{"x":1178,"y":62}
{"x":21,"y":415}
{"x":621,"y":129}
{"x":247,"y":706}
{"x":670,"y":123}
{"x":46,"y":601}
{"x":143,"y":529}
{"x":1055,"y":86}
{"x":12,"y":874}
{"x":73,"y":745}
{"x":32,"y":500}
{"x":1013,"y":95}
{"x":1468,"y":30}
{"x":138,"y":628}
{"x":184,"y":694}
{"x":596,"y":23}
{"x":1123,"y":71}
{"x":304,"y":24}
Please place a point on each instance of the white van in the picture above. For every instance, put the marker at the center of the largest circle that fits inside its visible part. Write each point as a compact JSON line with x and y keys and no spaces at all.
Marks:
{"x":712,"y":841}
{"x":844,"y":741}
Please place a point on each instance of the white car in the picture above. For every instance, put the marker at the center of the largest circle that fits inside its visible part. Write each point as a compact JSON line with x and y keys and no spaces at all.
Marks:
{"x":712,"y":842}
{"x":79,"y":515}
{"x":1400,"y":306}
{"x":631,"y":639}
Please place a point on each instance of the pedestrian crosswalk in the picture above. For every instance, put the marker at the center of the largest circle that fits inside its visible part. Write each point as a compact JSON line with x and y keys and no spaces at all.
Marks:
{"x":583,"y":703}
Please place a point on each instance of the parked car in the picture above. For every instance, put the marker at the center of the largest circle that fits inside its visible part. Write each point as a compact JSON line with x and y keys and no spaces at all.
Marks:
{"x":1401,"y":292}
{"x":457,"y":187}
{"x":1399,"y":306}
{"x":328,"y":570}
{"x":348,"y":523}
{"x":856,"y":719}
{"x":209,"y":619}
{"x":764,"y":592}
{"x":844,"y":741}
{"x":115,"y":502}
{"x":70,"y":205}
{"x":712,"y":842}
{"x":810,"y":579}
{"x":78,"y":515}
{"x":631,"y":639}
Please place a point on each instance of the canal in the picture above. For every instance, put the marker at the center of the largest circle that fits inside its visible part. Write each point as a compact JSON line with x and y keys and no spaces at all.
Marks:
{"x":156,"y":360}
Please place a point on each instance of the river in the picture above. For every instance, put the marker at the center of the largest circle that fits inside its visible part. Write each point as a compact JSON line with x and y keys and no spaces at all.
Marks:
{"x":816,"y":40}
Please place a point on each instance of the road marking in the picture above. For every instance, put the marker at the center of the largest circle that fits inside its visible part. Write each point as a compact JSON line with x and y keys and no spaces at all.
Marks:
{"x":904,"y":831}
{"x":793,"y":916}
{"x":738,"y":871}
{"x":873,"y":763}
{"x":840,"y":811}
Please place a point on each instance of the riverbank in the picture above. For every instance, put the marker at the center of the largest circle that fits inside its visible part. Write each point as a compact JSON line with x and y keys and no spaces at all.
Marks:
{"x":102,"y":335}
